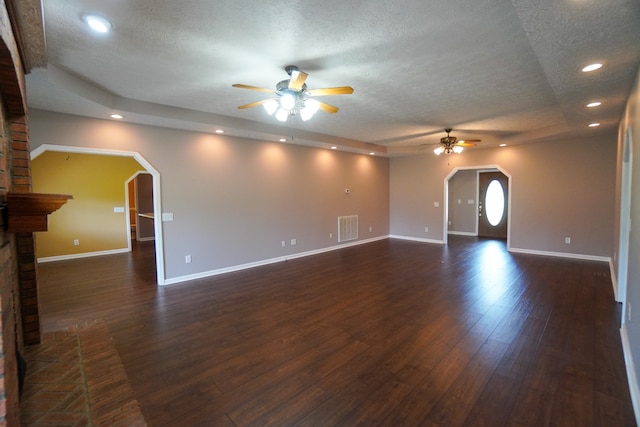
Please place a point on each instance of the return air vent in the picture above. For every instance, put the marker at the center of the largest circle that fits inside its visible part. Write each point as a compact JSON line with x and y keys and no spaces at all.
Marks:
{"x":347,"y":228}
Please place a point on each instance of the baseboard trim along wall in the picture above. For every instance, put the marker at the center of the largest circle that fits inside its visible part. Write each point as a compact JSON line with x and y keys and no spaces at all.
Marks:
{"x":634,"y":388}
{"x":417,"y":239}
{"x":462,"y":233}
{"x":82,"y":255}
{"x":231,"y":269}
{"x":561,"y":255}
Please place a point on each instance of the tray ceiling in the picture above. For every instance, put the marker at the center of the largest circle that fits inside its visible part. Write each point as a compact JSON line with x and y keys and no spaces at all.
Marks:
{"x":504,"y":71}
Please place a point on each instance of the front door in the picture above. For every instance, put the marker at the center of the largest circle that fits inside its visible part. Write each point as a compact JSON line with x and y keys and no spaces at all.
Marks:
{"x":493,"y":200}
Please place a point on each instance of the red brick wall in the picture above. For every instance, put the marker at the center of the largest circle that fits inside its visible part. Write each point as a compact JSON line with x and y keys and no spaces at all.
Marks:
{"x":20,"y":173}
{"x":17,"y":260}
{"x":9,"y":292}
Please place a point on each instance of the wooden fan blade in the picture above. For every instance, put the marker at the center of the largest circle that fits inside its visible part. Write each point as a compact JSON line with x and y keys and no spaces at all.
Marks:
{"x":297,"y":79}
{"x":465,"y":144}
{"x":340,"y":90}
{"x":254,"y":104}
{"x":327,"y":108}
{"x":260,"y":89}
{"x":470,"y":140}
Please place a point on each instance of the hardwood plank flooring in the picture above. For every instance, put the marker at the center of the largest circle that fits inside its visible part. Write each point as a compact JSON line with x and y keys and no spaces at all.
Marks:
{"x":390,"y":333}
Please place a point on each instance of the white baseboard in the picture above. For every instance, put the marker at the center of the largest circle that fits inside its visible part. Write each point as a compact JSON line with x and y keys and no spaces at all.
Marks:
{"x":416,"y":239}
{"x":82,"y":255}
{"x":233,"y":268}
{"x":462,"y":233}
{"x":634,"y":387}
{"x":561,"y":255}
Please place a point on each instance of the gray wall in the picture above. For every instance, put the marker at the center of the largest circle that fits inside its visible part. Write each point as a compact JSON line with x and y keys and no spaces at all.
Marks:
{"x":463,"y":187}
{"x":235,"y":200}
{"x":558,"y":189}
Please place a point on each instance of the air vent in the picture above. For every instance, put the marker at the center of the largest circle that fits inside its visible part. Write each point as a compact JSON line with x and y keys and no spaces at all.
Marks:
{"x":347,"y":228}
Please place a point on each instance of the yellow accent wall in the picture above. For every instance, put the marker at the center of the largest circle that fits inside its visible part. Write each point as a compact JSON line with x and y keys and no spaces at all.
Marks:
{"x":97,"y":184}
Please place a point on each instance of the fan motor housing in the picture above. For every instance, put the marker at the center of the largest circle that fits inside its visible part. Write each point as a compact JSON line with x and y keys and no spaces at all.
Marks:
{"x":283,"y":87}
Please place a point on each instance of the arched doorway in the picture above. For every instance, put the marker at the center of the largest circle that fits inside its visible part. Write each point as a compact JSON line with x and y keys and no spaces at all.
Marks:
{"x":474,"y":203}
{"x":159,"y":246}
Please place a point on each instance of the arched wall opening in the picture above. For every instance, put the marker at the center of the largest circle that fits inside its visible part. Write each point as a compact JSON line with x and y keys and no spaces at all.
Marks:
{"x":478,"y":169}
{"x":157,"y":211}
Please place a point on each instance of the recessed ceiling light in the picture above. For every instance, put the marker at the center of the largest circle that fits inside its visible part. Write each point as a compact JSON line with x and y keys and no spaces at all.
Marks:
{"x":117,"y":116}
{"x":592,"y":67}
{"x":372,"y":153}
{"x":97,"y":23}
{"x":594,"y":125}
{"x":503,"y":145}
{"x":334,"y":148}
{"x":219,"y":131}
{"x":594,"y":104}
{"x":283,"y":139}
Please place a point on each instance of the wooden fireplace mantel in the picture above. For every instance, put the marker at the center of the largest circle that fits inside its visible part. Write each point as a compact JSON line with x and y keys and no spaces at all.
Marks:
{"x":27,"y":212}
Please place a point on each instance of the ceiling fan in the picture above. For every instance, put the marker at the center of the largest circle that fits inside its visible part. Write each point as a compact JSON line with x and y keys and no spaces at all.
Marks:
{"x":450,"y":144}
{"x":293,"y":97}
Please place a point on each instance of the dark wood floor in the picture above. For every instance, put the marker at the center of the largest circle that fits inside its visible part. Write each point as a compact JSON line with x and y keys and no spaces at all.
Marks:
{"x":390,"y":333}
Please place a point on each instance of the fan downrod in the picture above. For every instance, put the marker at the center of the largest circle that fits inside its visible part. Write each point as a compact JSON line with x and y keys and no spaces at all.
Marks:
{"x":290,"y":69}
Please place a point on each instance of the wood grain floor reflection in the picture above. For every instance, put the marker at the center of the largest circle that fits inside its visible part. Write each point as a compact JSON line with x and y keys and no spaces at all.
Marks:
{"x":390,"y":333}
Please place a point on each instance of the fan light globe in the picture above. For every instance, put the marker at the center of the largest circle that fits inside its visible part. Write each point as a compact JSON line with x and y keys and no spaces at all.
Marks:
{"x":271,"y":106}
{"x":287,"y":101}
{"x":282,"y":115}
{"x":457,"y":149}
{"x":439,"y":150}
{"x":310,"y":108}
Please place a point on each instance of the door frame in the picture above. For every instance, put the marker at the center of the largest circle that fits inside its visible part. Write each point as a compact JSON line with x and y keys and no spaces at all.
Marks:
{"x":157,"y":210}
{"x":128,"y":207}
{"x":620,"y":290}
{"x":478,"y":218}
{"x":481,"y":168}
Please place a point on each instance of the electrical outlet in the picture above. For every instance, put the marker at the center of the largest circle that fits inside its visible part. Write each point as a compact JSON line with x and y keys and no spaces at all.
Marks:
{"x":628,"y":311}
{"x":370,"y":229}
{"x":567,"y":240}
{"x":187,"y":259}
{"x":284,"y":243}
{"x":426,"y":229}
{"x":294,"y":242}
{"x":76,"y":242}
{"x":331,"y":235}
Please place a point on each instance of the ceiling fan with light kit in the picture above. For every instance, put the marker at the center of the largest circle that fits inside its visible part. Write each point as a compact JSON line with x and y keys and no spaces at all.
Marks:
{"x":293,"y":97}
{"x":450,"y":144}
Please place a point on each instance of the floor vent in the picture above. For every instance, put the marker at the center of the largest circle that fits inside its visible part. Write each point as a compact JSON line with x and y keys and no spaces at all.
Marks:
{"x":347,"y":228}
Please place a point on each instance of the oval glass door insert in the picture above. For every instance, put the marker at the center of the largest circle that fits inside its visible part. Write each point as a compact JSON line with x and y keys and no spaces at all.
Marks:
{"x":494,"y":202}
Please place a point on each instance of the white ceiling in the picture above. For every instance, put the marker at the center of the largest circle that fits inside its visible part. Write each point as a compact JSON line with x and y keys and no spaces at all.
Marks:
{"x":504,"y":71}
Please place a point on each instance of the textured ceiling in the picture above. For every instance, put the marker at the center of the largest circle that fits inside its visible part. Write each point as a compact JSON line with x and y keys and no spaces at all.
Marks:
{"x":499,"y":70}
